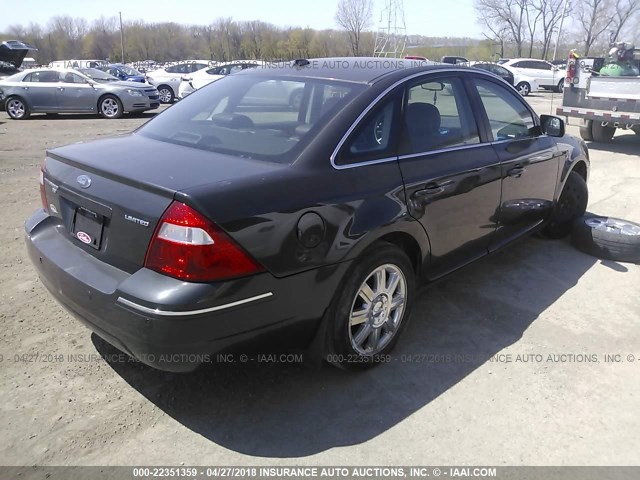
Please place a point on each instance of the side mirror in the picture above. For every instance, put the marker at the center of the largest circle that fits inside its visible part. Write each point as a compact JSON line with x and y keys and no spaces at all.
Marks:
{"x":552,"y":126}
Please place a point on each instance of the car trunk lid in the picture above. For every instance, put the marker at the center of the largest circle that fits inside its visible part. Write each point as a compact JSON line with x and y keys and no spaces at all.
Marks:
{"x":109,"y":195}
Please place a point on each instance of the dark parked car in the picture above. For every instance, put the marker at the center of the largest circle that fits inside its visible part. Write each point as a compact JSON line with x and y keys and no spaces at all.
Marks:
{"x":230,"y":217}
{"x":496,"y":69}
{"x":454,"y":60}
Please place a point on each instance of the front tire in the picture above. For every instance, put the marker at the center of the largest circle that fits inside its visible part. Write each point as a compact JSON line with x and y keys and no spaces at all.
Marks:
{"x":601,"y":133}
{"x":166,"y":94}
{"x":560,"y":86}
{"x":371,"y":309}
{"x":571,"y":205}
{"x":110,"y":107}
{"x":523,"y":88}
{"x":17,"y":108}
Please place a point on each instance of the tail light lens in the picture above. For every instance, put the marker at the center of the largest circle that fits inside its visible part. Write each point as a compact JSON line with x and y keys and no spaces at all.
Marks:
{"x":188,"y":246}
{"x":43,"y":192}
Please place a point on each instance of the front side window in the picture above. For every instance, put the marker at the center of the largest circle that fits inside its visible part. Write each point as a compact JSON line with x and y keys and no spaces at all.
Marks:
{"x":507,"y":114}
{"x":71,"y":77}
{"x":250,"y":116}
{"x":437,"y":115}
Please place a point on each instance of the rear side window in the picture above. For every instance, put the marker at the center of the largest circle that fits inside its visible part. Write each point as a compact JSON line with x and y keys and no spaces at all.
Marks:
{"x":48,"y":76}
{"x":508,"y":116}
{"x":437,"y":115}
{"x":372,"y":139}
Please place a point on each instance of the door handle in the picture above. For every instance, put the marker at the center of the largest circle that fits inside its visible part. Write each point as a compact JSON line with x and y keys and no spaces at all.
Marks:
{"x":61,"y":89}
{"x":431,"y":189}
{"x":516,"y":172}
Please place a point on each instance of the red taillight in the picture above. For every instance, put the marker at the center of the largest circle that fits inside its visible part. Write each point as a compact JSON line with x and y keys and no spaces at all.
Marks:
{"x":188,"y":246}
{"x":43,"y":192}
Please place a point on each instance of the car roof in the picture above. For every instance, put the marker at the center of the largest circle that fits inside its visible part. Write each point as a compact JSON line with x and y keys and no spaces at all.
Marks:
{"x":526,"y":59}
{"x":349,"y":69}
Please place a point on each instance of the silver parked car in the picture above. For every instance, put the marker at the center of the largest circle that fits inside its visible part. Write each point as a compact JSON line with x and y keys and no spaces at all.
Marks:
{"x":53,"y":90}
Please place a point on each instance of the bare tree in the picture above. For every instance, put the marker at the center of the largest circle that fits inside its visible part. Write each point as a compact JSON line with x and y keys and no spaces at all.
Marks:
{"x":354,"y":16}
{"x":550,"y":16}
{"x":505,"y":15}
{"x":624,"y":11}
{"x":594,"y":17}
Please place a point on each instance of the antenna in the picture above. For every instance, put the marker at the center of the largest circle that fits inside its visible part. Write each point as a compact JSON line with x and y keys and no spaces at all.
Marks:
{"x":391,"y":38}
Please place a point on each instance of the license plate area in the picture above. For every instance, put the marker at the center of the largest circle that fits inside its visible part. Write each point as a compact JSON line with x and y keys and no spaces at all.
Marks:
{"x":87,"y":227}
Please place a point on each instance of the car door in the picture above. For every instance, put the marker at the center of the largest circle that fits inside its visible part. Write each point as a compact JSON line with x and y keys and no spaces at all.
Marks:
{"x":41,"y":90}
{"x":529,"y":160}
{"x":545,"y":74}
{"x":451,"y":173}
{"x":76,"y":94}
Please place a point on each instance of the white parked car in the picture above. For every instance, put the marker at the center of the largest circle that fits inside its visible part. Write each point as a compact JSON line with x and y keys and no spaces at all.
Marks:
{"x":191,"y":83}
{"x":546,"y":74}
{"x":167,"y":80}
{"x":523,"y":83}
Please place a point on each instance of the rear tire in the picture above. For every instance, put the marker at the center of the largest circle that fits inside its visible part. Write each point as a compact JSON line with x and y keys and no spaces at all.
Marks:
{"x":586,"y":132}
{"x":602,"y":134}
{"x":571,"y":205}
{"x":636,"y":129}
{"x":560,"y":86}
{"x":17,"y":108}
{"x":370,"y":310}
{"x":523,"y":88}
{"x":608,"y":238}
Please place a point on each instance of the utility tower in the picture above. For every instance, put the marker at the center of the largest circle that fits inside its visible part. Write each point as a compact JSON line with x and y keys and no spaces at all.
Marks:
{"x":391,"y":38}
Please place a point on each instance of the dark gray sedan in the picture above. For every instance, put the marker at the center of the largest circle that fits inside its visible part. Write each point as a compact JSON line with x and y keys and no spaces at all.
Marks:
{"x":53,"y":90}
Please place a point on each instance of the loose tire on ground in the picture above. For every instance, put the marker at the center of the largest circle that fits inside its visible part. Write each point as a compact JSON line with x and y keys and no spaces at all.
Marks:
{"x":607,"y":237}
{"x":586,"y":132}
{"x":602,"y":134}
{"x":571,"y":205}
{"x":352,"y":317}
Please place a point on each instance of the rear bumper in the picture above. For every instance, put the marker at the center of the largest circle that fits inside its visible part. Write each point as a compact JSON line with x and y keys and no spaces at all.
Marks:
{"x":169,"y":324}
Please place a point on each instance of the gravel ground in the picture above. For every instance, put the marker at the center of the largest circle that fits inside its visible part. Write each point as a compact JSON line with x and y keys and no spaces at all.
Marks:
{"x":518,"y":374}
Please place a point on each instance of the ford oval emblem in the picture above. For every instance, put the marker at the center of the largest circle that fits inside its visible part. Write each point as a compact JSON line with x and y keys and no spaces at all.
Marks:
{"x":84,"y":237}
{"x":83,"y":181}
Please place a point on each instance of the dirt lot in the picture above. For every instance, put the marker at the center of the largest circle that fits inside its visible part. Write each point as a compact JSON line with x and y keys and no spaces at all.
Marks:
{"x":568,"y":406}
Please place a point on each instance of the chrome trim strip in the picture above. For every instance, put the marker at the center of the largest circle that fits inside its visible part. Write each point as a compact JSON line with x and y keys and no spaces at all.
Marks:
{"x":171,"y":313}
{"x":368,"y":162}
{"x":379,"y":97}
{"x":442,"y":150}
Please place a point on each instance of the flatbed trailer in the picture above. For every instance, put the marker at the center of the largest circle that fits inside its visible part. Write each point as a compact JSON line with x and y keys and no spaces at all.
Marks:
{"x":600,"y":103}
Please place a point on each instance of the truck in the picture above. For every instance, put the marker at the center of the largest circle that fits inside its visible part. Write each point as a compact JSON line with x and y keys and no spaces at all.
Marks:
{"x":603,"y":94}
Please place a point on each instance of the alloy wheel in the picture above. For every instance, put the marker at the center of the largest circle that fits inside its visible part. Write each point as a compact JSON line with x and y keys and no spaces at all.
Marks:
{"x":109,"y":107}
{"x":165,"y":95}
{"x":16,"y":108}
{"x":377,"y":310}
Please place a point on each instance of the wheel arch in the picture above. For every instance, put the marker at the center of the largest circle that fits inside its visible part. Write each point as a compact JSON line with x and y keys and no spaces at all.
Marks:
{"x":107,"y":94}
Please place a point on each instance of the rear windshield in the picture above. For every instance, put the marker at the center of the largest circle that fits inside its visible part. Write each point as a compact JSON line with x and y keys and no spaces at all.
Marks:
{"x":252,"y":116}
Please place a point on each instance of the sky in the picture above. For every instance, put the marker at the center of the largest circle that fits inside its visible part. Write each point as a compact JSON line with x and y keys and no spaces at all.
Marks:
{"x":435,"y":18}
